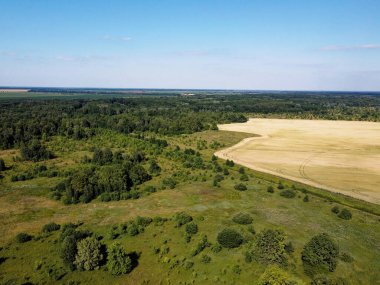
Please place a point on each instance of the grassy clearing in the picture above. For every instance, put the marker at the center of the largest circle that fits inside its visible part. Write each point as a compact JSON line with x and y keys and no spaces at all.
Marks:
{"x":26,"y":207}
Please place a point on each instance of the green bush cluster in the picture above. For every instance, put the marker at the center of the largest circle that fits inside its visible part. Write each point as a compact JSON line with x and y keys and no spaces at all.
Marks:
{"x":51,"y":227}
{"x":240,"y":187}
{"x":242,"y":219}
{"x":320,"y":255}
{"x":230,"y":238}
{"x":182,"y":218}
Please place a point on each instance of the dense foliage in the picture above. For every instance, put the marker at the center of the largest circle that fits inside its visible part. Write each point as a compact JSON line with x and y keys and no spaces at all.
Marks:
{"x":118,"y":260}
{"x":230,"y":238}
{"x":320,"y":255}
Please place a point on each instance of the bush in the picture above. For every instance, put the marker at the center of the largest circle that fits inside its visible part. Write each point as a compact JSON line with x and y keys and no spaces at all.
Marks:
{"x":169,"y":182}
{"x":23,"y":237}
{"x":288,"y":194}
{"x":230,"y":238}
{"x":269,"y":247}
{"x":118,"y":260}
{"x":242,"y":219}
{"x":35,"y":151}
{"x":241,"y":170}
{"x":216,"y":248}
{"x":191,"y":228}
{"x":320,"y":254}
{"x":201,"y":246}
{"x":345,"y":257}
{"x":335,"y":210}
{"x":205,"y":259}
{"x":306,"y":198}
{"x":345,"y":214}
{"x":2,"y":165}
{"x":89,"y":254}
{"x":240,"y":187}
{"x":244,"y":177}
{"x":280,"y":186}
{"x":182,"y":218}
{"x":270,"y":189}
{"x":51,"y":227}
{"x":69,"y":251}
{"x":143,"y":221}
{"x":274,"y":275}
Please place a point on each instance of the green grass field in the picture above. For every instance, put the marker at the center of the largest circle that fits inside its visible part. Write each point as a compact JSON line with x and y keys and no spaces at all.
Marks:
{"x":26,"y":206}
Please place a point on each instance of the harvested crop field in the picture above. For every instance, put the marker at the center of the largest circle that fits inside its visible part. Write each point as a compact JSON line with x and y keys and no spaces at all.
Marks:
{"x":340,"y":156}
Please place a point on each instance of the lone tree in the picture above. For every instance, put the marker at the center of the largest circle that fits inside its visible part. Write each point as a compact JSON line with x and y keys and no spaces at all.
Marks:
{"x":270,"y":247}
{"x":230,"y":238}
{"x":89,"y":255}
{"x":119,"y":261}
{"x":320,"y":255}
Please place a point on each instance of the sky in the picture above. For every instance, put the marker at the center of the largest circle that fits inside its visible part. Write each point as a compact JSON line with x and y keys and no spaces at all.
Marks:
{"x":205,"y":44}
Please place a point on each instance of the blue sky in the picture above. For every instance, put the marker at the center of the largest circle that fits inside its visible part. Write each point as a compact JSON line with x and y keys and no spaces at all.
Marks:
{"x":235,"y":44}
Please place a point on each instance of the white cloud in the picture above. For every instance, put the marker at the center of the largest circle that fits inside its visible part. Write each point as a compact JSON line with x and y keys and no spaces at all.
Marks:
{"x":357,"y":47}
{"x":116,"y":38}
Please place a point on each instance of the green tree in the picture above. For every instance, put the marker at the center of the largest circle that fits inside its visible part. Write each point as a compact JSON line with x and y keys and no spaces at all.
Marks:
{"x":320,"y":255}
{"x":269,"y":247}
{"x":274,"y":275}
{"x":2,"y":165}
{"x":118,"y":260}
{"x":89,"y":254}
{"x":230,"y":238}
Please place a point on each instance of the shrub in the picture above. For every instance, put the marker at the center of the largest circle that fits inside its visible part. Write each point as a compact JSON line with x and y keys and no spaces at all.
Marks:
{"x":191,"y":228}
{"x":270,"y":189}
{"x":105,"y":197}
{"x":225,"y":171}
{"x":182,"y":218}
{"x":230,"y":238}
{"x":288,"y":194}
{"x":306,"y":198}
{"x":89,"y":254}
{"x":274,"y":275}
{"x":320,"y":254}
{"x":335,"y":210}
{"x":150,"y":189}
{"x":289,"y":248}
{"x":35,"y":151}
{"x":159,"y":221}
{"x":2,"y":165}
{"x":244,"y":177}
{"x":143,"y":221}
{"x":251,"y":229}
{"x":280,"y":186}
{"x":345,"y":214}
{"x":241,"y":170}
{"x":345,"y":257}
{"x":236,"y":269}
{"x":69,"y":251}
{"x":216,"y":248}
{"x":218,"y":178}
{"x":51,"y":227}
{"x":169,"y":182}
{"x":23,"y":237}
{"x":201,"y":246}
{"x":242,"y":219}
{"x":269,"y":247}
{"x":205,"y":259}
{"x":240,"y":187}
{"x":118,"y":260}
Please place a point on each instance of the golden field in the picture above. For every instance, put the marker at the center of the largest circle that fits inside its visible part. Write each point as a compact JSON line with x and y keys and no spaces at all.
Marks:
{"x":340,"y":156}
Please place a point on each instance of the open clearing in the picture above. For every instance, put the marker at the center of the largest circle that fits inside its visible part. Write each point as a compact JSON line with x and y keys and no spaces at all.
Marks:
{"x":340,"y":156}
